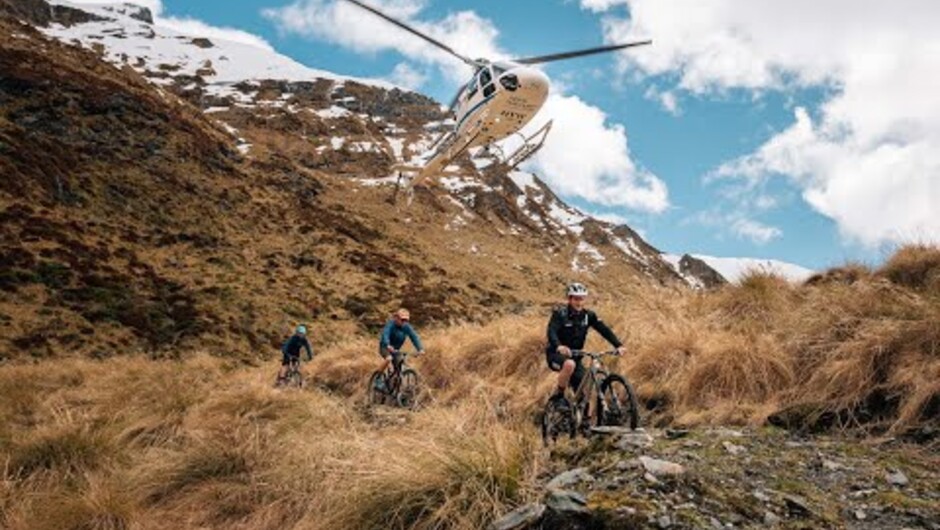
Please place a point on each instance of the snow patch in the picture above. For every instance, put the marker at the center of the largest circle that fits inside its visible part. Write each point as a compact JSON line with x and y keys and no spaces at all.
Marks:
{"x":733,"y":269}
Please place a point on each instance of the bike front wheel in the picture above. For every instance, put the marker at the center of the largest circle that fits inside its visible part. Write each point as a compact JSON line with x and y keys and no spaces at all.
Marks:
{"x":409,"y":391}
{"x":620,"y":403}
{"x":375,"y":392}
{"x":557,"y":420}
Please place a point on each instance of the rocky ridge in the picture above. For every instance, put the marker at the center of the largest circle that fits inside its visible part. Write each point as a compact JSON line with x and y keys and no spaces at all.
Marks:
{"x":726,"y":478}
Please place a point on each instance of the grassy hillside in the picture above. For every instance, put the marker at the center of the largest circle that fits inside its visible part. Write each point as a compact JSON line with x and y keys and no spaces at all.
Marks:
{"x":130,"y":222}
{"x":205,"y":442}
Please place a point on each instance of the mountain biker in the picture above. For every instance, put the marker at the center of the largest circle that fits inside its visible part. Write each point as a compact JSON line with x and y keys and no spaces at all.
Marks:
{"x":567,"y":331}
{"x":396,"y":330}
{"x":290,"y":351}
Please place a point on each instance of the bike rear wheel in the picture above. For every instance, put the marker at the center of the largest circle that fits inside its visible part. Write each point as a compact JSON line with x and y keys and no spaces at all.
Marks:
{"x":409,"y":391}
{"x":557,"y":420}
{"x":620,"y":404}
{"x":375,"y":395}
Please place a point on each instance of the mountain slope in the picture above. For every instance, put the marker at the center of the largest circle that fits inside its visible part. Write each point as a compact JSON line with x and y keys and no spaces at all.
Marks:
{"x":161,"y":216}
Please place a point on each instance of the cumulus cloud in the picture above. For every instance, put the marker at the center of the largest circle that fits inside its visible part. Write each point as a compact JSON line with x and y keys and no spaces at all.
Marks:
{"x":587,"y":157}
{"x":755,"y":230}
{"x":348,"y":25}
{"x":869,"y":156}
{"x":407,"y":76}
{"x":738,"y":223}
{"x":665,"y":99}
{"x":600,"y":5}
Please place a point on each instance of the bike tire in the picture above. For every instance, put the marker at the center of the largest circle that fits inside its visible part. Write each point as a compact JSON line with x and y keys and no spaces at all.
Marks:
{"x":295,"y":379}
{"x":376,"y":396}
{"x":620,"y":403}
{"x":409,"y":390}
{"x":557,"y":420}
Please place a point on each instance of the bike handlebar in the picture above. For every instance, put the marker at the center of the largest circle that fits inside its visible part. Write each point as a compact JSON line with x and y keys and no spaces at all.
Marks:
{"x":581,"y":353}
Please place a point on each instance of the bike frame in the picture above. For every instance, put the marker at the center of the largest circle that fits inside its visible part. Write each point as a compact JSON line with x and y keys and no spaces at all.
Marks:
{"x":399,"y":363}
{"x":589,"y":386}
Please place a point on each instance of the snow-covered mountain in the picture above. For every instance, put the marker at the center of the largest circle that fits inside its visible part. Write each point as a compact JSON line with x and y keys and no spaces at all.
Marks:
{"x":127,"y":34}
{"x":733,"y":269}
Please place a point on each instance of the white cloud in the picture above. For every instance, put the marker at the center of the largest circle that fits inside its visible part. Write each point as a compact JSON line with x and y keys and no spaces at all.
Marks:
{"x":350,"y":26}
{"x":600,"y":5}
{"x":738,"y":223}
{"x":584,"y":156}
{"x":666,"y":99}
{"x":408,"y":76}
{"x":870,"y":157}
{"x":755,"y":231}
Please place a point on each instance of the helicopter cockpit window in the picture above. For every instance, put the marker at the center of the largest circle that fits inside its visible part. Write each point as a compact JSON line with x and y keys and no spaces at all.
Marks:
{"x":471,"y":89}
{"x":486,"y":81}
{"x":485,"y":77}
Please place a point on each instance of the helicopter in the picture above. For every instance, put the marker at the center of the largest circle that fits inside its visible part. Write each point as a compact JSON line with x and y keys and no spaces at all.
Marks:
{"x":500,"y":99}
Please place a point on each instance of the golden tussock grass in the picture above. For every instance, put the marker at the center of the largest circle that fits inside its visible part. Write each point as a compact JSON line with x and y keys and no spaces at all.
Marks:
{"x":205,"y":442}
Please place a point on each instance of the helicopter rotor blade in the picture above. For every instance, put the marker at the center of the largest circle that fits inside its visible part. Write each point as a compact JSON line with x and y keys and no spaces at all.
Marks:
{"x":579,"y":53}
{"x":415,"y":32}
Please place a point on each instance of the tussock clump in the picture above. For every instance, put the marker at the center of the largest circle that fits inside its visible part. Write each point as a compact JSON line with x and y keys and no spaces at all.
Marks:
{"x":736,"y":369}
{"x":458,"y":480}
{"x":845,"y":274}
{"x":66,"y":449}
{"x":101,"y":504}
{"x":754,"y":300}
{"x":914,"y":266}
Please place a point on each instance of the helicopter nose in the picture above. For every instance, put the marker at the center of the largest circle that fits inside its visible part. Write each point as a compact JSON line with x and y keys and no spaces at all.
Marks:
{"x":533,"y":81}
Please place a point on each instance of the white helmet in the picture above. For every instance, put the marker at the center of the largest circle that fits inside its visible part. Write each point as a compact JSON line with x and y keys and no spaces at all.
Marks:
{"x":577,"y":289}
{"x":301,"y":330}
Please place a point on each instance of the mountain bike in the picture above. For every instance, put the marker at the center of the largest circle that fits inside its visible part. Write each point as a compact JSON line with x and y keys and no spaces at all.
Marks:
{"x":401,"y":385}
{"x":294,"y":378}
{"x":615,"y":402}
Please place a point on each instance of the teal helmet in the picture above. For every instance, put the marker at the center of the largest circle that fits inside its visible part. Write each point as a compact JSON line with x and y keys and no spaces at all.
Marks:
{"x":301,"y":329}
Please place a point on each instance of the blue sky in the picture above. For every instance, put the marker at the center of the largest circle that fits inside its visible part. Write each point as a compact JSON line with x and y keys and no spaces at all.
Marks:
{"x":737,"y":115}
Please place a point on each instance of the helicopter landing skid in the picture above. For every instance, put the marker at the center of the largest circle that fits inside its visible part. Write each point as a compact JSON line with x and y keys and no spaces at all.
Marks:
{"x":529,"y":147}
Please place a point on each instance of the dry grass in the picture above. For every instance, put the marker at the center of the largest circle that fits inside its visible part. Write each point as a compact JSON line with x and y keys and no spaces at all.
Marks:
{"x":134,"y":443}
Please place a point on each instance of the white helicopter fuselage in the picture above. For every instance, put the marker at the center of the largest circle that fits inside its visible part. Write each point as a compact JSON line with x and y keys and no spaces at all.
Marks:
{"x":498,"y":102}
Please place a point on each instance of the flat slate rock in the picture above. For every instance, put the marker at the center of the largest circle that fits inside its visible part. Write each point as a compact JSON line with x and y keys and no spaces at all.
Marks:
{"x":523,"y":517}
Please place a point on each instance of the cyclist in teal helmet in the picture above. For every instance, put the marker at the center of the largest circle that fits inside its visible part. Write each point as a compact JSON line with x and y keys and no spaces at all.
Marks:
{"x":291,"y":351}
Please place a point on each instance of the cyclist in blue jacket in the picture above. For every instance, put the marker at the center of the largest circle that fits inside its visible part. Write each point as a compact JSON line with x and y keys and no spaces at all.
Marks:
{"x":393,"y":337}
{"x":291,"y":350}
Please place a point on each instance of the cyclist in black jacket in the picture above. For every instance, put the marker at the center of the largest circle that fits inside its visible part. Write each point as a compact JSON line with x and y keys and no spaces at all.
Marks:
{"x":290,"y":350}
{"x":567,"y":331}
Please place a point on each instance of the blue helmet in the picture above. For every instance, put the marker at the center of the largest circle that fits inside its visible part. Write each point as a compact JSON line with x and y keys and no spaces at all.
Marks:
{"x":301,"y":329}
